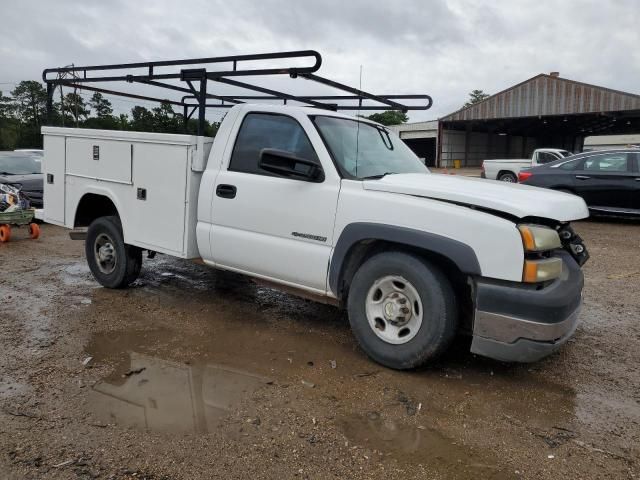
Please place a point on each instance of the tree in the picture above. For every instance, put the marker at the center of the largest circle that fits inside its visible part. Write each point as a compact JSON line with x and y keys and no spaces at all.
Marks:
{"x":74,"y":107}
{"x":141,"y":119}
{"x":9,"y":125}
{"x":7,"y":107}
{"x":100,"y":105}
{"x":390,"y":117}
{"x":475,"y":96}
{"x":31,"y":101}
{"x":165,"y":119}
{"x":123,"y":121}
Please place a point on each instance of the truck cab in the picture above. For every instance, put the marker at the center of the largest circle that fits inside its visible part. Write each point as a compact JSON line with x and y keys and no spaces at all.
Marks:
{"x":338,"y":209}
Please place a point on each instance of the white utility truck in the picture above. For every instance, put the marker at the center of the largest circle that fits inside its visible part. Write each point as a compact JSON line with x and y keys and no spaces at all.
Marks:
{"x":507,"y":170}
{"x":286,"y":194}
{"x":335,"y":208}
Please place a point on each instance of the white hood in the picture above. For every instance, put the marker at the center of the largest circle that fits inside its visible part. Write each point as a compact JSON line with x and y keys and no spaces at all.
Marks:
{"x":518,"y":200}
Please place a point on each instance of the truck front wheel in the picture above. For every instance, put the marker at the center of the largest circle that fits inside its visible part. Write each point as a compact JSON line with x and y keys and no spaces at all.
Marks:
{"x":402,"y":310}
{"x":113,"y":263}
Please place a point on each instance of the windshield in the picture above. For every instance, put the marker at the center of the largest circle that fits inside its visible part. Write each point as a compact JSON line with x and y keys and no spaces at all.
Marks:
{"x":565,"y":153}
{"x":14,"y":163}
{"x":363,"y":150}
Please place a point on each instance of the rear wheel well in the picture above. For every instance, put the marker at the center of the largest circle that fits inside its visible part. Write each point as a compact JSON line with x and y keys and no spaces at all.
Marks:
{"x":92,"y":206}
{"x":365,"y":249}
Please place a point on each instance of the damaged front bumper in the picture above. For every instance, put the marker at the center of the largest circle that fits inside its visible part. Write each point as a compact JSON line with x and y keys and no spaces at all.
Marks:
{"x":516,"y":322}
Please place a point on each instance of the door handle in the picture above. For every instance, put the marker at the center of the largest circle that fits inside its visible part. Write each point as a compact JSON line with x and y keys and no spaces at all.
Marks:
{"x":583,"y":177}
{"x":226,"y":191}
{"x":637,"y":179}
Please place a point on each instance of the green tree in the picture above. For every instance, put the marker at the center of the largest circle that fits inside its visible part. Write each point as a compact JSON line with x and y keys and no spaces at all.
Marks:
{"x":123,"y":121}
{"x":476,"y":96}
{"x":100,"y":105}
{"x":390,"y":117}
{"x":141,"y":119}
{"x":165,"y":119}
{"x":30,"y":105}
{"x":7,"y":107}
{"x":75,"y":108}
{"x":9,"y":125}
{"x":30,"y":102}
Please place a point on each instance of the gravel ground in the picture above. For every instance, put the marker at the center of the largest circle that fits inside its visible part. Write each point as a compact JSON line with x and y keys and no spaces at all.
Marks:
{"x":194,"y":373}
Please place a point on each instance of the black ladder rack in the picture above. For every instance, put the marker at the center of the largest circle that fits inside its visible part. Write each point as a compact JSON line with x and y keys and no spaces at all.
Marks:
{"x":196,"y":97}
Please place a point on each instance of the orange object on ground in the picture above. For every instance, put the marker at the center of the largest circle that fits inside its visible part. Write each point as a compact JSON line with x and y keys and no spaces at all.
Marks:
{"x":34,"y":230}
{"x":5,"y":233}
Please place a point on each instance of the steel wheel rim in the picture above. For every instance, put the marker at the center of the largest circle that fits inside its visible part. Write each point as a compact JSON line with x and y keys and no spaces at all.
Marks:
{"x":508,"y":179}
{"x":105,"y":254}
{"x":394,"y":309}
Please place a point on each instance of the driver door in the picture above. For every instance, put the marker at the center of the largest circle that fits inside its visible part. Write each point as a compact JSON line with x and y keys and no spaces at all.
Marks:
{"x":274,"y":227}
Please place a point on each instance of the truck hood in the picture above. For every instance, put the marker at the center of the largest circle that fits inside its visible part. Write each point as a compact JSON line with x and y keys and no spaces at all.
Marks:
{"x":514,"y":199}
{"x":28,"y":182}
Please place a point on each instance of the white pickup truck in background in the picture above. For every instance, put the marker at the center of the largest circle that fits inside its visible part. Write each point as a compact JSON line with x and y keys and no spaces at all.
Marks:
{"x":337,"y":209}
{"x":507,"y":170}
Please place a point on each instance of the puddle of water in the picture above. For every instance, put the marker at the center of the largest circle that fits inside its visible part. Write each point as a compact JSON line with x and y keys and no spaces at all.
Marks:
{"x":166,"y":396}
{"x":420,"y":445}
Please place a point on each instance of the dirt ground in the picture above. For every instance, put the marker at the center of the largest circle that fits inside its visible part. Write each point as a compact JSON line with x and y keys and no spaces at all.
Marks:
{"x":193,"y":373}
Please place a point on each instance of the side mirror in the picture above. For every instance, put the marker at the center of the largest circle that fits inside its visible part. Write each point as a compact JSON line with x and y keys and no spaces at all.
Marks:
{"x":287,"y":164}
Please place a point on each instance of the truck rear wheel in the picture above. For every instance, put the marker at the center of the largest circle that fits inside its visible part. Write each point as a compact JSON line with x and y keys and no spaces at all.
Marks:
{"x":402,"y":310}
{"x":114,"y":264}
{"x":508,"y":177}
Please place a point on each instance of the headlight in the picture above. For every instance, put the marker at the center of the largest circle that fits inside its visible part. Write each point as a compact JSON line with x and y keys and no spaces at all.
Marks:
{"x":537,"y":238}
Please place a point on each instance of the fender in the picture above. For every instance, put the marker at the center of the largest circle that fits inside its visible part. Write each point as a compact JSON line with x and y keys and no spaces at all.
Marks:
{"x":460,"y":254}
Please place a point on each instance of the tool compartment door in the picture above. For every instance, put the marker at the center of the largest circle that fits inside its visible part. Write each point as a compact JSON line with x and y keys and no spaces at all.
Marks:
{"x":157,"y":201}
{"x":103,"y":159}
{"x":53,"y":168}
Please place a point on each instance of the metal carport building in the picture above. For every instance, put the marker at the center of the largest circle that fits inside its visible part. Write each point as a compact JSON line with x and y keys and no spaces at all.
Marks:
{"x":544,"y":111}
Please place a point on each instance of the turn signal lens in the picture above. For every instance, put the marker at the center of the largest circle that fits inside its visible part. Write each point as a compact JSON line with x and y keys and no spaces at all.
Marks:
{"x":536,"y":271}
{"x":536,"y":238}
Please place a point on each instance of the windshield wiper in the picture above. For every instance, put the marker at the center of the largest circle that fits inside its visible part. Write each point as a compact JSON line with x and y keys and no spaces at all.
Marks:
{"x":378,"y":177}
{"x":6,"y":173}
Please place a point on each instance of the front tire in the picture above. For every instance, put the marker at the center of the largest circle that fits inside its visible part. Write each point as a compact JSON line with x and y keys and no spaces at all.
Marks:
{"x":402,"y":310}
{"x":114,"y":264}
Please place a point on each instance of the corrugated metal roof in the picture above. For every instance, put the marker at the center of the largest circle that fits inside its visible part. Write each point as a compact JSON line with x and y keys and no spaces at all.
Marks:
{"x":547,"y":95}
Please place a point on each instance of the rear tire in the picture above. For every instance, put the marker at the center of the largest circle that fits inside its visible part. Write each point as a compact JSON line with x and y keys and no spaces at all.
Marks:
{"x":114,"y":264}
{"x":508,"y":177}
{"x":402,"y":310}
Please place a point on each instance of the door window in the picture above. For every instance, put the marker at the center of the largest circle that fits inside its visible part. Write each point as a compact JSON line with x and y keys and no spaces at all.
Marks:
{"x":546,"y":157}
{"x":266,"y":130}
{"x":605,"y":163}
{"x":571,"y":165}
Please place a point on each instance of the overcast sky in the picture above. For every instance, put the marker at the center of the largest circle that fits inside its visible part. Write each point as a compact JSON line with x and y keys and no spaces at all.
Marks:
{"x":443,"y":48}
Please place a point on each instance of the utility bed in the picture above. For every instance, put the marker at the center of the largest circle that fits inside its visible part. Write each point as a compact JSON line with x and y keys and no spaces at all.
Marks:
{"x":152,"y":179}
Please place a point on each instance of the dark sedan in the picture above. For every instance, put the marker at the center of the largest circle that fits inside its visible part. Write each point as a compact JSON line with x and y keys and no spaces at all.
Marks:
{"x":23,"y":169}
{"x":607,"y":180}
